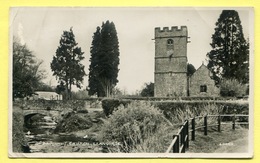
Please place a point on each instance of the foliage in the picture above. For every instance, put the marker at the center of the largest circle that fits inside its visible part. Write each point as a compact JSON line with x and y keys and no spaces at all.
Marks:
{"x":231,"y":87}
{"x":60,"y":88}
{"x":133,"y":125}
{"x":109,"y":105}
{"x":80,"y":95}
{"x":73,"y":122}
{"x":66,"y":64}
{"x":103,"y":69}
{"x":94,"y":84}
{"x":170,"y":108}
{"x":45,"y":87}
{"x":148,"y":90}
{"x":190,"y":69}
{"x":18,"y":136}
{"x":229,"y":57}
{"x":27,"y":74}
{"x":117,"y":92}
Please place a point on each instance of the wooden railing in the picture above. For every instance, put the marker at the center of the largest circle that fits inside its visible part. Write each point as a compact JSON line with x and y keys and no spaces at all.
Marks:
{"x":180,"y":142}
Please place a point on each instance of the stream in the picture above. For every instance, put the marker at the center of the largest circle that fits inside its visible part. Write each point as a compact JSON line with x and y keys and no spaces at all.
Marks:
{"x":41,"y":138}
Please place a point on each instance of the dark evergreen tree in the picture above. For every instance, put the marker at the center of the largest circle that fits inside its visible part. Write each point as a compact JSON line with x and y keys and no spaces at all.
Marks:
{"x":104,"y":60}
{"x":66,"y":64}
{"x":94,"y":86}
{"x":148,"y":90}
{"x":229,"y":57}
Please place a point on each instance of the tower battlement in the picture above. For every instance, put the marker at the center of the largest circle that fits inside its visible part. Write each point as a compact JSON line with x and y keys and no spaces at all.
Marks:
{"x":172,"y":32}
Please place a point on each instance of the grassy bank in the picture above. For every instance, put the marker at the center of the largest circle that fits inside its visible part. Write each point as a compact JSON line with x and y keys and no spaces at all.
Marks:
{"x":19,"y":142}
{"x":227,"y":141}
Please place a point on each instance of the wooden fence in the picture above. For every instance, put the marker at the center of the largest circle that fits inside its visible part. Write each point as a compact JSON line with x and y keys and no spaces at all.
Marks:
{"x":180,"y":142}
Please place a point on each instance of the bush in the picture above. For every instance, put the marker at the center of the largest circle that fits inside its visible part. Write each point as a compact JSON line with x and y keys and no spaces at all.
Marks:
{"x":178,"y":111}
{"x":109,"y":105}
{"x":19,"y":142}
{"x":169,"y":108}
{"x":232,"y":88}
{"x":73,"y":122}
{"x":136,"y":127}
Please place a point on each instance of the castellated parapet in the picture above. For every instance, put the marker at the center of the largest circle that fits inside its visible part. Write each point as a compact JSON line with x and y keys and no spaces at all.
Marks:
{"x":173,"y":32}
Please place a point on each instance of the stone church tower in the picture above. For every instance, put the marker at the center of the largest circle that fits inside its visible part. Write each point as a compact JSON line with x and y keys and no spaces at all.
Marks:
{"x":170,"y":62}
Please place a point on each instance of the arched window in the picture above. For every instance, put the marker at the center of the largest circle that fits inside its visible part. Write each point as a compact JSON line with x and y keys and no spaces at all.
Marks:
{"x":169,"y":44}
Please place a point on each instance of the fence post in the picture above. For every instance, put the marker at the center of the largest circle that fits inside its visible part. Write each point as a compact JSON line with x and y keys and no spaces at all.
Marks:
{"x":205,"y":126}
{"x":234,"y":122}
{"x":187,"y":133}
{"x":183,"y":139}
{"x":176,"y":146}
{"x":219,"y":123}
{"x":193,"y":129}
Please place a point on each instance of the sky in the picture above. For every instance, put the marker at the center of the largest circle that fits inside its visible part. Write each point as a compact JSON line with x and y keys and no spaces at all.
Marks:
{"x":41,"y":29}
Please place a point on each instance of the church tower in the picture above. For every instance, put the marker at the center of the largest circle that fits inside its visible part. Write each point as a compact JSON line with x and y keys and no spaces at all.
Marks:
{"x":170,"y":62}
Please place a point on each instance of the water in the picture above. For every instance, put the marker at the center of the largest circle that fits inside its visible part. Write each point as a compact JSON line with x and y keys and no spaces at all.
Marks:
{"x":39,"y":133}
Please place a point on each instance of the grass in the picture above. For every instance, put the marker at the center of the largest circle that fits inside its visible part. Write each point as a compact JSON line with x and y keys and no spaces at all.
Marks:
{"x":226,"y":141}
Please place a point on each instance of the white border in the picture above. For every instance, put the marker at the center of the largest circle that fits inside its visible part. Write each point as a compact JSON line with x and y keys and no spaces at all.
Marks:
{"x":249,"y":154}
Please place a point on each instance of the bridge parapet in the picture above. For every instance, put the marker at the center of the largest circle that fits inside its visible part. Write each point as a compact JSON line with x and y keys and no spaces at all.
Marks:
{"x":38,"y":111}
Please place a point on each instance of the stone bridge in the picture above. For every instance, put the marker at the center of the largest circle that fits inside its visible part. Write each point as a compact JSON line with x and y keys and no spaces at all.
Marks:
{"x":28,"y":113}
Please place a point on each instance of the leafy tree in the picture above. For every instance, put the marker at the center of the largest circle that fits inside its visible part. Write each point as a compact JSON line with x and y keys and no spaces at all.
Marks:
{"x":148,"y":90}
{"x":190,"y":69}
{"x":104,"y":60}
{"x":45,"y":87}
{"x":66,"y":64}
{"x":60,"y":88}
{"x":232,"y":88}
{"x":229,"y":57}
{"x":27,"y":74}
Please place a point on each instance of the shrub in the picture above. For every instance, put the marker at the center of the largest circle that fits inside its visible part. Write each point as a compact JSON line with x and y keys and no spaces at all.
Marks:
{"x":19,"y":142}
{"x":178,"y":111}
{"x":109,"y":105}
{"x":169,"y":108}
{"x":231,"y":87}
{"x":136,"y":127}
{"x":73,"y":122}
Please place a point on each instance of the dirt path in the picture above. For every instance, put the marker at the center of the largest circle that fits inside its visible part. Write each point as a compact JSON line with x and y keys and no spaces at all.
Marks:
{"x":237,"y":146}
{"x":228,"y":141}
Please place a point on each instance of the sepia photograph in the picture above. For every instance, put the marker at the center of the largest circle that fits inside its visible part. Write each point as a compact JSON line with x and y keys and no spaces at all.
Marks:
{"x":131,"y":82}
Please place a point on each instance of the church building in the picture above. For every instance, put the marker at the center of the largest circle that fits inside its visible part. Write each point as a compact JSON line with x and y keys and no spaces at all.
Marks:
{"x":170,"y":76}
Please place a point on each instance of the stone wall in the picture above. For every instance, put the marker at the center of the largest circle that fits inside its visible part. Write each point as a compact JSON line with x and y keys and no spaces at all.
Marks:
{"x":199,"y":78}
{"x":170,"y":85}
{"x":171,"y":65}
{"x":59,"y":105}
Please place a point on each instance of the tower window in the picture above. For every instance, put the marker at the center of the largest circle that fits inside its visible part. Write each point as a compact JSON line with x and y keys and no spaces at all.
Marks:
{"x":169,"y":44}
{"x":203,"y":88}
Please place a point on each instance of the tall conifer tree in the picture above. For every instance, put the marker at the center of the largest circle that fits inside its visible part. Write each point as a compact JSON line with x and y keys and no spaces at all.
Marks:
{"x":66,"y":64}
{"x":94,"y":86}
{"x":229,"y":57}
{"x":104,"y":60}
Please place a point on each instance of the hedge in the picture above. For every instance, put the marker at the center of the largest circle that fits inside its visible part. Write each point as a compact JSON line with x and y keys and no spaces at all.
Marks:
{"x":169,"y":107}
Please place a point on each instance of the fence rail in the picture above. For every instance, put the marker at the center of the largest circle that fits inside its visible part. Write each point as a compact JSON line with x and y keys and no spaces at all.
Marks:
{"x":180,"y":142}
